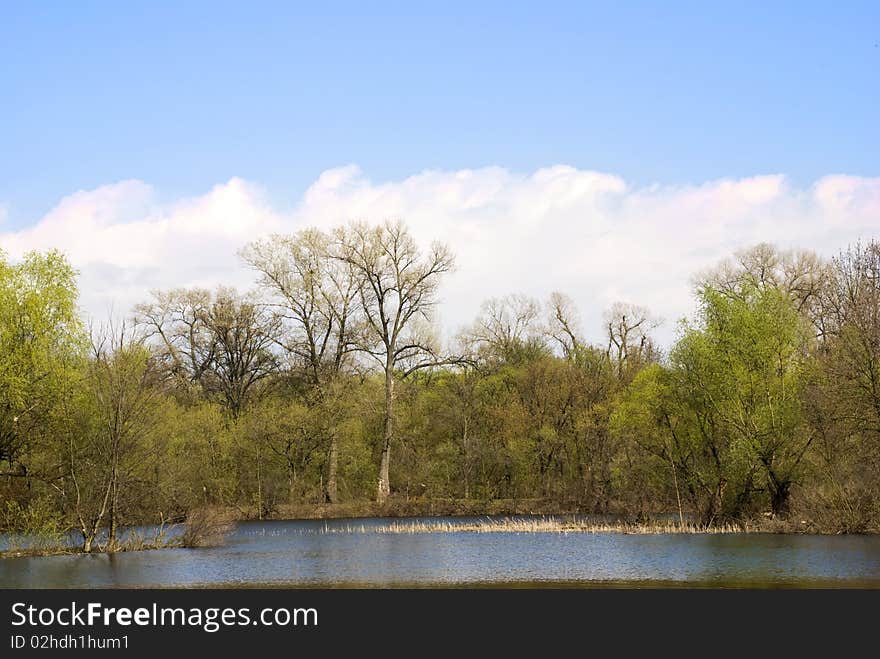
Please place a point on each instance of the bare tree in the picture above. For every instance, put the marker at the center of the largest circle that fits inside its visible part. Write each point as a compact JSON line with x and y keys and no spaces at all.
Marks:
{"x":629,"y":340}
{"x":800,"y":274}
{"x":315,"y":294}
{"x":243,"y":334}
{"x":506,"y":326}
{"x":317,"y":297}
{"x":562,"y":324}
{"x":397,"y":292}
{"x":175,"y":320}
{"x":221,"y":341}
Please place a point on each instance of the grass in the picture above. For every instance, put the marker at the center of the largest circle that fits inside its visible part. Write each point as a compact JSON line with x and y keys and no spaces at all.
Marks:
{"x":136,"y":543}
{"x":204,"y":527}
{"x":535,"y":525}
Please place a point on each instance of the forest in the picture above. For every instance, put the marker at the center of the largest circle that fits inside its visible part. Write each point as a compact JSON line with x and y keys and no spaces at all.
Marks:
{"x":327,"y":387}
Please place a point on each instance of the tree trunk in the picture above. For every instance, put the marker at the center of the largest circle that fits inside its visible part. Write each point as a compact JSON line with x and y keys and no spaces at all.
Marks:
{"x":291,"y":482}
{"x":332,"y":467}
{"x":384,"y":487}
{"x":467,"y":489}
{"x":114,"y":498}
{"x":384,"y":483}
{"x":779,"y":492}
{"x":111,"y":532}
{"x":260,"y":484}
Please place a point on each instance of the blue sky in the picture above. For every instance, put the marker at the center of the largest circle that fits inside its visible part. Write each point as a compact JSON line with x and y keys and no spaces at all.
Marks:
{"x":609,"y":151}
{"x":186,"y":97}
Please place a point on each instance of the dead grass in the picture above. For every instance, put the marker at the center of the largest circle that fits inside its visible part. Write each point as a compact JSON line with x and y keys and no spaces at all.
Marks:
{"x":537,"y":525}
{"x":205,"y":527}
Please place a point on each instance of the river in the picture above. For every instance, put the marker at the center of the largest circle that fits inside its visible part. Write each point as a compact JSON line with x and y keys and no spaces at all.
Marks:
{"x":304,"y":554}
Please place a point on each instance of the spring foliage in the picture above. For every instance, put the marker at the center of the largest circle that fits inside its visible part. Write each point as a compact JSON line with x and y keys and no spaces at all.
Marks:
{"x":299,"y":392}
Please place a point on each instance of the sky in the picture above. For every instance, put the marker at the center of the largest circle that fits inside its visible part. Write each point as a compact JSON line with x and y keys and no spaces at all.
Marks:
{"x":608,"y":150}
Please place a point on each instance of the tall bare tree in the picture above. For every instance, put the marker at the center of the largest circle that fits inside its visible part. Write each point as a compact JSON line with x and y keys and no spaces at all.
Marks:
{"x":175,"y":321}
{"x":244,"y":334}
{"x":317,"y":297}
{"x":397,"y":292}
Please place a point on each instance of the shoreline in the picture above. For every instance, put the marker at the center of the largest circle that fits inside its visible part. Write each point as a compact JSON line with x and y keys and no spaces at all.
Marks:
{"x":400,"y":510}
{"x":416,"y":518}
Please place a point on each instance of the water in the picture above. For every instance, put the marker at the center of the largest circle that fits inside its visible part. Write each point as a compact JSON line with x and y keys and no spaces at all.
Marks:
{"x":298,"y":553}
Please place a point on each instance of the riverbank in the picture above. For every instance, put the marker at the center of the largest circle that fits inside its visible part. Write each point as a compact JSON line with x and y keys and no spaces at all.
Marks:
{"x":208,"y":527}
{"x":61,"y":550}
{"x":202,"y":528}
{"x":400,"y":509}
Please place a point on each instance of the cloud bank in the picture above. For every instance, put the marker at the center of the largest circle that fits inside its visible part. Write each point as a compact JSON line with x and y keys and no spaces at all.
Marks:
{"x":586,"y":233}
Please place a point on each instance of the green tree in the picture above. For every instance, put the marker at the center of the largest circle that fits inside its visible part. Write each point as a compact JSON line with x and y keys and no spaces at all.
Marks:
{"x":727,"y":414}
{"x":844,"y":399}
{"x":41,"y":340}
{"x":103,"y":434}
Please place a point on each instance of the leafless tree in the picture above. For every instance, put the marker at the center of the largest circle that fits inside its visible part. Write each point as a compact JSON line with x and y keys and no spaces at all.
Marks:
{"x":221,"y":341}
{"x":562,"y":324}
{"x":317,"y":296}
{"x":244,"y":333}
{"x":175,"y":321}
{"x":628,"y":328}
{"x":800,"y":274}
{"x":397,"y":292}
{"x":506,"y":325}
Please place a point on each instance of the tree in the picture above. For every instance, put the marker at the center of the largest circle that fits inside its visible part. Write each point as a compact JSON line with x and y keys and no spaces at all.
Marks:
{"x":727,"y":414}
{"x":508,"y":329}
{"x":221,"y":342}
{"x":844,"y":399}
{"x":659,"y":425}
{"x":41,"y":340}
{"x":316,"y":295}
{"x":105,"y":428}
{"x":562,"y":324}
{"x":397,"y":289}
{"x":628,"y":328}
{"x":243,"y":334}
{"x":800,"y":274}
{"x":175,"y":321}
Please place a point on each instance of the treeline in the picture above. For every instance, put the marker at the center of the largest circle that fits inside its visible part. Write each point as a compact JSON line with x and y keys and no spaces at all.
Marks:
{"x":328,"y":384}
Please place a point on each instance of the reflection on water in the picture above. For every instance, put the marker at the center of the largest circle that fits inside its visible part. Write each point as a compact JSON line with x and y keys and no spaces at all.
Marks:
{"x":296,"y":553}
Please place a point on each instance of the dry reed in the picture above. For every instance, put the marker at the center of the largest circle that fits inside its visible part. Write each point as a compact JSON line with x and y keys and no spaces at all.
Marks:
{"x":537,"y":525}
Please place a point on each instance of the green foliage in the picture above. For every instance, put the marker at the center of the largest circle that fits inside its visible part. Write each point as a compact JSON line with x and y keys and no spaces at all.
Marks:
{"x":726,"y":415}
{"x":750,"y":414}
{"x":41,"y":339}
{"x":38,"y":524}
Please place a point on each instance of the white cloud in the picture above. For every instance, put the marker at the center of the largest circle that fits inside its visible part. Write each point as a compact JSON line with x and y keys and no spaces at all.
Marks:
{"x":125,"y":243}
{"x":586,"y":233}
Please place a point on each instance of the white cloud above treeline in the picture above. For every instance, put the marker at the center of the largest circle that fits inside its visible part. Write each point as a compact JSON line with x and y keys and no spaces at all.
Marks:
{"x":588,"y":234}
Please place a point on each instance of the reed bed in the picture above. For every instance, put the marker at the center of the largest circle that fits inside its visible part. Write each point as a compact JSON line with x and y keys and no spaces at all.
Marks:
{"x":538,"y":525}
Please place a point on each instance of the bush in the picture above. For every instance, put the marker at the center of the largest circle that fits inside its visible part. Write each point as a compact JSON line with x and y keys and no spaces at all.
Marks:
{"x":35,"y":527}
{"x":206,"y":527}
